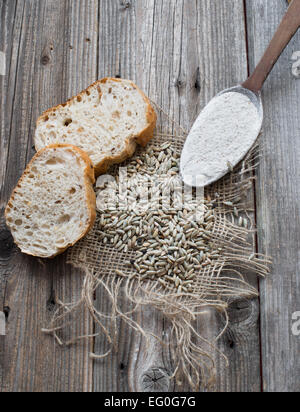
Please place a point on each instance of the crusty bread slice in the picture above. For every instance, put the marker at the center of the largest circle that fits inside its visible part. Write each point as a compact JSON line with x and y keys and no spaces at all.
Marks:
{"x":106,"y":121}
{"x":54,"y":204}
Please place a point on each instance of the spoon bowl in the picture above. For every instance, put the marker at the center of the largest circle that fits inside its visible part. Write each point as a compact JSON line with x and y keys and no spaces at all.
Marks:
{"x":199,"y":152}
{"x":253,"y":96}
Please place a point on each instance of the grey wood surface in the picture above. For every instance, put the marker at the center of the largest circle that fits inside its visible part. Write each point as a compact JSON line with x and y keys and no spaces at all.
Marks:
{"x":181,"y":52}
{"x":176,"y":51}
{"x":278,"y":194}
{"x":42,"y":71}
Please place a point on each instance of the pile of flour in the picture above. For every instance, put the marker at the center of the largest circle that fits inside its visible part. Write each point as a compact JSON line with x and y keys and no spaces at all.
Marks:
{"x":221,"y":136}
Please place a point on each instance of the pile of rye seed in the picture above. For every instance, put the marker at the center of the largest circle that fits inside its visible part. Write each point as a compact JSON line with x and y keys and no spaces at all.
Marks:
{"x":171,"y":240}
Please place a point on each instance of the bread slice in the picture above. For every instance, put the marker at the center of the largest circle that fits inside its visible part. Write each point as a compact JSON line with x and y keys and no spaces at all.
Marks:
{"x":54,"y":204}
{"x":106,"y":120}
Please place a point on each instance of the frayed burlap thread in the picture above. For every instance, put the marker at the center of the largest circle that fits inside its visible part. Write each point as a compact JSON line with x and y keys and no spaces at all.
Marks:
{"x":215,"y":286}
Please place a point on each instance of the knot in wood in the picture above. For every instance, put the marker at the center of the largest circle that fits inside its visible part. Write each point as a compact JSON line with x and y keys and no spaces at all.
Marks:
{"x":6,"y":311}
{"x":6,"y":244}
{"x":240,"y":311}
{"x":45,"y":59}
{"x":198,"y":80}
{"x":155,"y":380}
{"x":51,"y":303}
{"x":125,"y":4}
{"x":179,"y":83}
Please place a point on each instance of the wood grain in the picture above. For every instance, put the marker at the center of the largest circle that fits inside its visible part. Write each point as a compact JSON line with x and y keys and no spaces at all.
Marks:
{"x":43,"y":70}
{"x":181,"y":53}
{"x":278,"y":194}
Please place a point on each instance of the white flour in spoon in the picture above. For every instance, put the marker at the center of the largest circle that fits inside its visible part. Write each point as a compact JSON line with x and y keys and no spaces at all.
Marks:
{"x":221,"y":136}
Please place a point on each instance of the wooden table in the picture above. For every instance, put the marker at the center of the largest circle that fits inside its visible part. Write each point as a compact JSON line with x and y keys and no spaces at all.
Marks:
{"x":181,"y":52}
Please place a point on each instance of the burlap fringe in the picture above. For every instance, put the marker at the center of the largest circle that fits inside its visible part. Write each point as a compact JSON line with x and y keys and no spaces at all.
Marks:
{"x":215,"y":288}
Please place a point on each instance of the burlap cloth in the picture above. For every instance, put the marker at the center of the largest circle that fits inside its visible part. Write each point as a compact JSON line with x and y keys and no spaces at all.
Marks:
{"x":215,"y":285}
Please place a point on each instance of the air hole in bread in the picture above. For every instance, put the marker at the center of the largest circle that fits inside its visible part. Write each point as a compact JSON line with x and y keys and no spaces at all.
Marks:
{"x":39,"y":247}
{"x":88,"y":92}
{"x":72,"y":191}
{"x":68,"y":122}
{"x":64,"y":219}
{"x":46,"y":118}
{"x":116,"y":114}
{"x":54,"y":161}
{"x":129,"y":113}
{"x":61,"y":241}
{"x":18,"y":222}
{"x":79,"y":99}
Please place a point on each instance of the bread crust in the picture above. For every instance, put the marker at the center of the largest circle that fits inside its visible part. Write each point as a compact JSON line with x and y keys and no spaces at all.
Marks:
{"x":89,"y":177}
{"x":142,"y":138}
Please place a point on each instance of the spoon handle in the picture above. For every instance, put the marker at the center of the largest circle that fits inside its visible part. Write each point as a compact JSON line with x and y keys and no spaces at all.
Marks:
{"x":288,"y":27}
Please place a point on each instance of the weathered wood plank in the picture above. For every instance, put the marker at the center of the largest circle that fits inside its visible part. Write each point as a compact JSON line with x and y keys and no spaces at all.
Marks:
{"x":181,"y":53}
{"x":43,"y":70}
{"x":222,"y":52}
{"x":7,"y":12}
{"x":278,"y":194}
{"x":79,"y":71}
